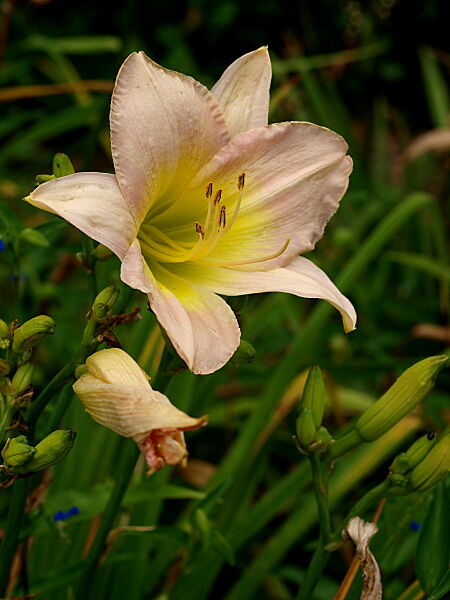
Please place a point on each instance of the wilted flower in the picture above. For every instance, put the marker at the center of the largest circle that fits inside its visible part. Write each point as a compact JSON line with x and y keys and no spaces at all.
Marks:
{"x":116,"y":393}
{"x":208,"y":199}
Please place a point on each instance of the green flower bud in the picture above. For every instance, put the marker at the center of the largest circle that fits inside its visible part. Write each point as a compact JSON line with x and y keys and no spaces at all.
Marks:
{"x":104,"y":302}
{"x":400,"y":464}
{"x":43,"y":178}
{"x":434,"y":467}
{"x":50,"y":451}
{"x":22,"y":378}
{"x":400,"y":399}
{"x":5,"y":367}
{"x":34,"y":237}
{"x":417,"y":452}
{"x":4,"y":329}
{"x":315,"y":395}
{"x":62,"y":165}
{"x":306,"y":430}
{"x":31,"y":332}
{"x":244,"y":354}
{"x":17,"y":452}
{"x":102,"y":253}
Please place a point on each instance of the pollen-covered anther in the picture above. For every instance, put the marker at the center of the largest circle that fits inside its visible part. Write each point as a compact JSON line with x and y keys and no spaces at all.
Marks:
{"x":209,"y":190}
{"x":241,"y":181}
{"x":222,"y":217}
{"x":199,"y":230}
{"x":217,"y":197}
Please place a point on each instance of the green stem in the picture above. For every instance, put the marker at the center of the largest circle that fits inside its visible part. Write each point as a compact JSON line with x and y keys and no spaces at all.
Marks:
{"x":124,"y":473}
{"x":320,"y":482}
{"x":12,"y":531}
{"x":322,"y":555}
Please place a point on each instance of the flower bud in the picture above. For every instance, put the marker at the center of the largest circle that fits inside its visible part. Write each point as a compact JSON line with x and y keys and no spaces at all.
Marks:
{"x":315,"y":395}
{"x":244,"y":354}
{"x":22,"y":378}
{"x":104,"y":302}
{"x":17,"y":452}
{"x":417,"y":452}
{"x":102,"y":253}
{"x":34,"y":237}
{"x":62,"y":165}
{"x":50,"y":451}
{"x":306,"y":430}
{"x":434,"y":467}
{"x":400,"y":464}
{"x":31,"y":332}
{"x":4,"y":329}
{"x":116,"y":393}
{"x":400,"y":399}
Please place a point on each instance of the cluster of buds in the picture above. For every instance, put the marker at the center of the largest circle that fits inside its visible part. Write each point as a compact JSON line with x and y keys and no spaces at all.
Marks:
{"x":99,"y":314}
{"x":400,"y":399}
{"x":20,"y":458}
{"x":424,"y":464}
{"x":311,"y":435}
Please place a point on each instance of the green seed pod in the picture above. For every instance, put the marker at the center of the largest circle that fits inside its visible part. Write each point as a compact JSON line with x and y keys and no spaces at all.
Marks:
{"x":22,"y":378}
{"x":17,"y":452}
{"x":400,"y":399}
{"x":50,"y":451}
{"x":34,"y":237}
{"x":4,"y":329}
{"x":244,"y":354}
{"x":434,"y":467}
{"x":315,"y":395}
{"x":104,"y":302}
{"x":31,"y":332}
{"x":417,"y":452}
{"x":306,"y":430}
{"x":62,"y":165}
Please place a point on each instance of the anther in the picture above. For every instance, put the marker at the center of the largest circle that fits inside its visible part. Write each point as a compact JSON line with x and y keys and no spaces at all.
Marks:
{"x":241,"y":181}
{"x":209,"y":190}
{"x":222,"y":217}
{"x":199,"y":230}
{"x":217,"y":197}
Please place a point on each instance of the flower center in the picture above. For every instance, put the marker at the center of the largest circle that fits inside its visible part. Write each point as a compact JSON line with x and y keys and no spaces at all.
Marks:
{"x":157,"y":245}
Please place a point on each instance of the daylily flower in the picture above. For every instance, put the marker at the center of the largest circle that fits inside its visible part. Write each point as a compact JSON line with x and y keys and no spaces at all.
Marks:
{"x":116,"y":393}
{"x":208,"y":199}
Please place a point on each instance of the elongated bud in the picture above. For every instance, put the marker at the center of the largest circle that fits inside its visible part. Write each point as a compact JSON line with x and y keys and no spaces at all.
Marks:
{"x":62,"y":165}
{"x":244,"y":354}
{"x":31,"y":332}
{"x":34,"y":237}
{"x":315,"y":395}
{"x":417,"y":452}
{"x":22,"y":378}
{"x":400,"y":399}
{"x":434,"y":467}
{"x":102,"y":253}
{"x":323,"y":436}
{"x":17,"y":451}
{"x":4,"y":329}
{"x":306,"y":430}
{"x":104,"y":302}
{"x":50,"y":451}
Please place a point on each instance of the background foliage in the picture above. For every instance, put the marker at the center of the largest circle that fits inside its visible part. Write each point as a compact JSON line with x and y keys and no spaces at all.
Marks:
{"x":376,"y":72}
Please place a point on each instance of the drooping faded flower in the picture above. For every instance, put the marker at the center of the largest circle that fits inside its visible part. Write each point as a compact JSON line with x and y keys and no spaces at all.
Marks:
{"x":116,"y":393}
{"x":208,"y":199}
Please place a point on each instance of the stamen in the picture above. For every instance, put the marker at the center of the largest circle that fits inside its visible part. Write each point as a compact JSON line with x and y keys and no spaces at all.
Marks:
{"x":209,"y":190}
{"x":241,"y":181}
{"x":199,"y":230}
{"x":222,"y":217}
{"x":240,"y":185}
{"x":249,"y":262}
{"x":217,"y":197}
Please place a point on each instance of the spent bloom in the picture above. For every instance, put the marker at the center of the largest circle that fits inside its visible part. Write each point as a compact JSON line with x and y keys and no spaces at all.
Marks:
{"x":207,"y":199}
{"x":116,"y":393}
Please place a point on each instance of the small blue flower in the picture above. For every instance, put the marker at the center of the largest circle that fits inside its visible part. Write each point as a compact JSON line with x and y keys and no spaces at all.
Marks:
{"x":415,"y":526}
{"x":62,"y":516}
{"x":2,"y":245}
{"x":72,"y":512}
{"x":59,"y":516}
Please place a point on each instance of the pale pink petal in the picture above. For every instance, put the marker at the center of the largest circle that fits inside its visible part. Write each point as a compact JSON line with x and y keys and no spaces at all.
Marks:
{"x":164,"y":127}
{"x":295,"y":176}
{"x":243,"y":91}
{"x":301,"y":278}
{"x":201,"y":326}
{"x":93,"y":203}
